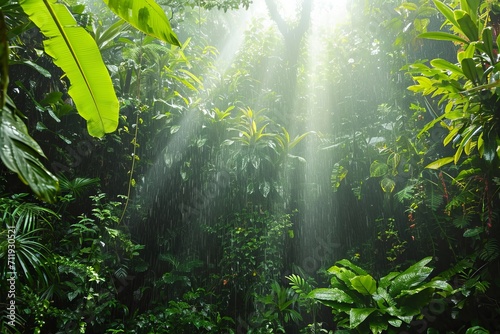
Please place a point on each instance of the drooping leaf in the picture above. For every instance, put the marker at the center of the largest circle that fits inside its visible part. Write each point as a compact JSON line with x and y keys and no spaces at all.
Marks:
{"x":439,"y":163}
{"x":490,"y":147}
{"x":346,"y":263}
{"x":442,"y":36}
{"x":31,"y":64}
{"x":77,"y":54}
{"x":388,"y":184}
{"x":22,"y":155}
{"x":446,"y":65}
{"x":147,"y":16}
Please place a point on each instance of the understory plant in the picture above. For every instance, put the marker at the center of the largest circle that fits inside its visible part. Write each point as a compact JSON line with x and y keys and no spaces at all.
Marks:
{"x":192,"y":313}
{"x":362,"y":304}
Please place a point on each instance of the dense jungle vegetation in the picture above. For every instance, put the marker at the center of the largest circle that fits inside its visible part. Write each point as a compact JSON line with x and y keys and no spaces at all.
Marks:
{"x":239,"y":166}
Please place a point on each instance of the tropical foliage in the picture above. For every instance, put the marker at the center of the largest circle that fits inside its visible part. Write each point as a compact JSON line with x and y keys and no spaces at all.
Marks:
{"x":198,"y":166}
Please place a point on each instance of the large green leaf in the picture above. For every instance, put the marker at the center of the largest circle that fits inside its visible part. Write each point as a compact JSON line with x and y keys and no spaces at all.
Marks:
{"x":22,"y":155}
{"x":358,"y":315}
{"x":145,"y":15}
{"x":334,"y":294}
{"x":352,"y":266}
{"x":77,"y":54}
{"x":411,"y":277}
{"x":365,"y":285}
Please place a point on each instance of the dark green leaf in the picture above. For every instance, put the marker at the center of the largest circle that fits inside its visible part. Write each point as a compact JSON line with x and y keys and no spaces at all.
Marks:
{"x":473,"y":232}
{"x":358,"y":315}
{"x":488,"y":45}
{"x":22,"y":155}
{"x":470,"y":70}
{"x":411,"y":277}
{"x":468,"y":27}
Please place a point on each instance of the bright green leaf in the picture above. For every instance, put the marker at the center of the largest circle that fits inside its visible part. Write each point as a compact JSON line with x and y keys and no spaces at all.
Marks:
{"x":145,"y":15}
{"x":365,"y":285}
{"x":443,"y":36}
{"x":378,"y":169}
{"x":439,"y":163}
{"x":76,"y":53}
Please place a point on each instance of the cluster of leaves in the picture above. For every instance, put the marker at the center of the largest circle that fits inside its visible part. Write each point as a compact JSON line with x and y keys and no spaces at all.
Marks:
{"x":192,"y":312}
{"x":361,"y":303}
{"x":252,"y":244}
{"x":70,"y":270}
{"x":467,"y":90}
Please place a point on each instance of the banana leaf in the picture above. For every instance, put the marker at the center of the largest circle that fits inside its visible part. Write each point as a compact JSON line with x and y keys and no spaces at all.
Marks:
{"x":145,"y":15}
{"x":77,"y":54}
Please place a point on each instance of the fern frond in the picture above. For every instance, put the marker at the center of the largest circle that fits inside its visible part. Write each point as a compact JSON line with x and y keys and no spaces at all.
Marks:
{"x":434,"y":200}
{"x":490,"y":251}
{"x":459,"y":267}
{"x":462,"y":221}
{"x":299,"y":285}
{"x":405,"y":193}
{"x":121,"y":273}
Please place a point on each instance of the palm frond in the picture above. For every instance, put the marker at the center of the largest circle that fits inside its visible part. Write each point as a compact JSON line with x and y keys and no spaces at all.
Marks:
{"x":78,"y":185}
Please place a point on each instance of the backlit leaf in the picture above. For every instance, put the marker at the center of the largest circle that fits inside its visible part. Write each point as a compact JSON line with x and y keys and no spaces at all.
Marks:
{"x":442,"y":36}
{"x":147,"y":16}
{"x":77,"y":54}
{"x":439,"y":163}
{"x":378,"y":169}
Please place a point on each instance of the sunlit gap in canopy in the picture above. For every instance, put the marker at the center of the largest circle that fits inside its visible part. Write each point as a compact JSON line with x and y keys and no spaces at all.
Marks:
{"x":319,"y":224}
{"x":175,"y":149}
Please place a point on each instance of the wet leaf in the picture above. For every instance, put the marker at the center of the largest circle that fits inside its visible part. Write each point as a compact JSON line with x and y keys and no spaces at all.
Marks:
{"x":378,"y":169}
{"x":388,"y":185}
{"x":22,"y":155}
